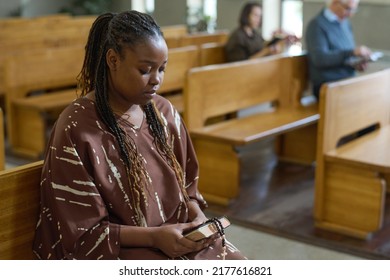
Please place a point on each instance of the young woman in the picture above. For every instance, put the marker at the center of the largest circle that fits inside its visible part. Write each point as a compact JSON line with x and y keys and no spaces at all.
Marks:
{"x":120,"y":174}
{"x":246,"y":41}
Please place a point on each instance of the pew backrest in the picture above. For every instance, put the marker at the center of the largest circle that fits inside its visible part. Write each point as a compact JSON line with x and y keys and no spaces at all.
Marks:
{"x":197,"y":39}
{"x":19,"y":208}
{"x":29,"y":74}
{"x":180,"y":60}
{"x":42,"y":33}
{"x":353,"y":104}
{"x":212,"y":53}
{"x":226,"y":88}
{"x":42,"y":69}
{"x":170,"y":31}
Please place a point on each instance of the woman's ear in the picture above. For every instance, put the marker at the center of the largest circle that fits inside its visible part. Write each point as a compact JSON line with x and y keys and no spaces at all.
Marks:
{"x":112,"y":59}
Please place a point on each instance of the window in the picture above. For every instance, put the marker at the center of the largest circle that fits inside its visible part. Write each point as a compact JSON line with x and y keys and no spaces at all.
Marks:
{"x":292,"y":16}
{"x":201,"y":15}
{"x":145,"y":6}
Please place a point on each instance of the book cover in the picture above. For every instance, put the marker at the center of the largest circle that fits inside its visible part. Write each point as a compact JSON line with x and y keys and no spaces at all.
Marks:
{"x":206,"y":230}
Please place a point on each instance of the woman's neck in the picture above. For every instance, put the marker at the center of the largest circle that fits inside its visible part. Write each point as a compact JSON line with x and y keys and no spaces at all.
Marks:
{"x":248,"y":30}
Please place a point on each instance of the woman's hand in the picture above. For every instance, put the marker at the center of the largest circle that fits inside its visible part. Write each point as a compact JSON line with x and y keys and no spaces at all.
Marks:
{"x":170,"y":240}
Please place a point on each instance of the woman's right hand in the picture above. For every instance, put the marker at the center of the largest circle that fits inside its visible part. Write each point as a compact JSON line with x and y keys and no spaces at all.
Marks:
{"x":170,"y":240}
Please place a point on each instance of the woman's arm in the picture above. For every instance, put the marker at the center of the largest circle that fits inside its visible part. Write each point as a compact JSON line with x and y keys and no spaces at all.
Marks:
{"x":168,"y":238}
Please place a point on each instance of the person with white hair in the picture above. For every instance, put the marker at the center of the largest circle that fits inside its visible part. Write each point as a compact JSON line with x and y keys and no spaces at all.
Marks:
{"x":331,"y":46}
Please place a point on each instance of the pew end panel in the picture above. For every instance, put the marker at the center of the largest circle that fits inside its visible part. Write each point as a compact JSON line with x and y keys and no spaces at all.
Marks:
{"x":19,"y":208}
{"x":353,"y":174}
{"x":2,"y":147}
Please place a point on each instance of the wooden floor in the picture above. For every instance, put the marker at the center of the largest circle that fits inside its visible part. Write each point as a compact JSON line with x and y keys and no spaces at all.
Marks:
{"x":277,"y":198}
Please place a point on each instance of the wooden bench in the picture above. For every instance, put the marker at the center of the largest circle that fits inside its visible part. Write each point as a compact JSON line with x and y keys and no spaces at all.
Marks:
{"x":19,"y":210}
{"x":172,"y":34}
{"x":41,"y":33}
{"x":352,"y":176}
{"x":30,"y":115}
{"x":180,"y":60}
{"x":52,"y":72}
{"x":199,"y":38}
{"x":217,"y":90}
{"x":212,"y":53}
{"x":196,"y":39}
{"x":2,"y":147}
{"x":174,"y":30}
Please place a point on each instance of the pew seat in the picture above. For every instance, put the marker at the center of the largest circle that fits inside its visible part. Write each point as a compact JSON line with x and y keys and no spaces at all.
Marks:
{"x":252,"y":128}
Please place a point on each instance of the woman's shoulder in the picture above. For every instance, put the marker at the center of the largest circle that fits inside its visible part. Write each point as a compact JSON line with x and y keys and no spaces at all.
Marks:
{"x":164,"y":105}
{"x":80,"y":110}
{"x":237,"y":33}
{"x":80,"y":103}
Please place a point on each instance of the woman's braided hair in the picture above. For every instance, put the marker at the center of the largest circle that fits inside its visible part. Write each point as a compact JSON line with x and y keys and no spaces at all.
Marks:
{"x":118,"y":31}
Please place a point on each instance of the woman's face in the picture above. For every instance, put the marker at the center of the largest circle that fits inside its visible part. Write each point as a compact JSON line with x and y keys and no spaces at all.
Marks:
{"x":136,"y":77}
{"x":255,"y":18}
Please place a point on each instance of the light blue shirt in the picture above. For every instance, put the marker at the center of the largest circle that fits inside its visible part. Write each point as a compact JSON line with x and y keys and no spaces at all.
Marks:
{"x":330,"y":43}
{"x":330,"y":15}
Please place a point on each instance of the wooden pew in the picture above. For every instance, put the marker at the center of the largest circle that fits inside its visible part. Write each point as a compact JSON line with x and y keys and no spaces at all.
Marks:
{"x":212,"y":53}
{"x":19,"y":209}
{"x":196,"y":39}
{"x":174,"y":30}
{"x":53,"y":72}
{"x":216,"y":90}
{"x":199,"y":38}
{"x":173,"y":33}
{"x":180,"y":60}
{"x":352,"y":177}
{"x":2,"y":147}
{"x":41,"y":33}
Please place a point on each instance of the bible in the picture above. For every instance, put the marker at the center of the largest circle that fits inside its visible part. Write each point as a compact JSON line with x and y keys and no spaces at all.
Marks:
{"x":207,"y":229}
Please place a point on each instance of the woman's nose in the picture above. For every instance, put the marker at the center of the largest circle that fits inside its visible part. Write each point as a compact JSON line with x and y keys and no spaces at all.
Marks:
{"x":155,"y":79}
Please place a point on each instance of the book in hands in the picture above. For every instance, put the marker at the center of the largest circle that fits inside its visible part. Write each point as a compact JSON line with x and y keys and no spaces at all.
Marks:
{"x":356,"y":60}
{"x":206,"y":229}
{"x":274,"y":40}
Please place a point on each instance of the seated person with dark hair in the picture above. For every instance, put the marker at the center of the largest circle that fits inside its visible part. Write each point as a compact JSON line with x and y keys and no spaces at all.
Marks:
{"x":246,"y":41}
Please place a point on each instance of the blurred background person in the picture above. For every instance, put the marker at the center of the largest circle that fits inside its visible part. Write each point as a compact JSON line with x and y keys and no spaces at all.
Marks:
{"x":247,"y":42}
{"x":331,"y":46}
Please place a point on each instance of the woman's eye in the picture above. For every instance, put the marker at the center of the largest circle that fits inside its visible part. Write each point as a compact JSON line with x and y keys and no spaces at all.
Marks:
{"x":162,"y":69}
{"x":145,"y":71}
